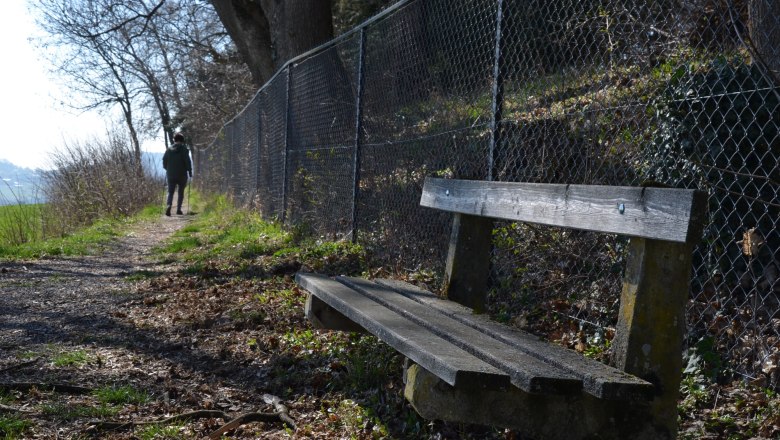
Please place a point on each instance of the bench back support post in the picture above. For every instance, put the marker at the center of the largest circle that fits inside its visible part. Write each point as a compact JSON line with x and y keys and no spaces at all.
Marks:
{"x":468,"y":261}
{"x":651,"y":322}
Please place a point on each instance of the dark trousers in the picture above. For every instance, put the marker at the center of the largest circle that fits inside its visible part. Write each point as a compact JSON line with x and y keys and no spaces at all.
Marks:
{"x":181,"y":183}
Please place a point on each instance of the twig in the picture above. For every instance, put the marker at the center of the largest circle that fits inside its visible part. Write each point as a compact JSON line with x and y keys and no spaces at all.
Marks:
{"x":280,"y":409}
{"x":18,"y":366}
{"x":251,"y":417}
{"x":199,"y":414}
{"x":4,"y":408}
{"x":58,"y":387}
{"x":281,"y":415}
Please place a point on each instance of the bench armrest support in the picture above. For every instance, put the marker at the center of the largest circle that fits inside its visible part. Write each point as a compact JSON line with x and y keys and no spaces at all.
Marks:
{"x":468,"y":261}
{"x":651,"y":322}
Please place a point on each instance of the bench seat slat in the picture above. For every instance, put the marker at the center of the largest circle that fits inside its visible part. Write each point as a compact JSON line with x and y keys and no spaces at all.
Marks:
{"x":528,"y":373}
{"x":669,"y":214}
{"x":451,"y":363}
{"x":598,"y":379}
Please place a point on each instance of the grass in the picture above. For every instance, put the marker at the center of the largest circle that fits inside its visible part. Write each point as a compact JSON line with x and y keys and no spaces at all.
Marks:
{"x":224,"y":239}
{"x":66,"y":412}
{"x":70,"y":358}
{"x":224,"y":231}
{"x":181,"y":245}
{"x":5,"y":398}
{"x":85,"y":241}
{"x":12,"y":427}
{"x":28,"y":355}
{"x":120,"y":395}
{"x":21,"y":223}
{"x":159,"y":432}
{"x":142,"y":274}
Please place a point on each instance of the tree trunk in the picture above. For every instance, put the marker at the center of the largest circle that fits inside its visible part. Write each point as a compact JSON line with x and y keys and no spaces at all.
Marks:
{"x":268,"y":33}
{"x":764,"y":30}
{"x":248,"y":27}
{"x":297,"y":26}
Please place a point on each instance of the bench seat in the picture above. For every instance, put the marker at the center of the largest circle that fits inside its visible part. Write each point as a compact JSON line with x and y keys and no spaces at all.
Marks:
{"x":463,"y":348}
{"x":468,"y":369}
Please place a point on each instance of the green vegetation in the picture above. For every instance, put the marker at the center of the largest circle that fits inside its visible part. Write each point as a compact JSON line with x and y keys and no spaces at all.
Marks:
{"x":221,"y":230}
{"x":142,"y":275}
{"x":83,"y":242}
{"x":84,"y":209}
{"x":21,"y":223}
{"x":71,"y":358}
{"x":120,"y":395}
{"x":12,"y":428}
{"x":67,"y":412}
{"x":88,"y":240}
{"x":158,"y":432}
{"x":5,"y":398}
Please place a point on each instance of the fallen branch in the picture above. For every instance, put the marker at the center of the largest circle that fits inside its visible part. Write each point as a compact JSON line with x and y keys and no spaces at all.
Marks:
{"x":193,"y":415}
{"x":199,"y":414}
{"x":280,"y":409}
{"x":281,"y":415}
{"x":18,"y":366}
{"x":57,"y":387}
{"x":249,"y":418}
{"x":4,"y":408}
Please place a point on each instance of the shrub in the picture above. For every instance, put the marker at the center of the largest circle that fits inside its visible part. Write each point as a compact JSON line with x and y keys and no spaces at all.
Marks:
{"x":98,"y":179}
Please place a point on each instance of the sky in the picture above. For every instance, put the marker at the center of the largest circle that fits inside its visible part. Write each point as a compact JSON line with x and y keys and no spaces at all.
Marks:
{"x":32,"y":121}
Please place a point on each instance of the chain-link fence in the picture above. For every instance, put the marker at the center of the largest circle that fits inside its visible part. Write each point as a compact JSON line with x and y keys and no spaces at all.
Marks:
{"x":618,"y":92}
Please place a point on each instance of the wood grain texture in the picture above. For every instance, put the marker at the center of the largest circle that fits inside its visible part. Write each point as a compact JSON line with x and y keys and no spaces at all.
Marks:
{"x":437,"y":355}
{"x":527,"y":372}
{"x":668,"y":214}
{"x":651,"y":323}
{"x":468,"y":261}
{"x":598,"y":379}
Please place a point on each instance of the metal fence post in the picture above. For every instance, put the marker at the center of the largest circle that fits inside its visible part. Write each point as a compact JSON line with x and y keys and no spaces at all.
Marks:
{"x":285,"y":186}
{"x":358,"y":131}
{"x":226,"y":159}
{"x":258,"y":140}
{"x":498,"y":90}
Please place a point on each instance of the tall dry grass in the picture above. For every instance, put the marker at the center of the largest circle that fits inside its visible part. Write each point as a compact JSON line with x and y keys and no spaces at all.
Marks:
{"x":98,"y":178}
{"x":20,"y":220}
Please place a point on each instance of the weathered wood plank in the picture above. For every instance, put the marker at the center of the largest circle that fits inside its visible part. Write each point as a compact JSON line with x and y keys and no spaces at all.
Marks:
{"x":528,"y":373}
{"x":667,"y":214}
{"x":468,"y":261}
{"x":451,"y":363}
{"x":598,"y":379}
{"x":651,"y":323}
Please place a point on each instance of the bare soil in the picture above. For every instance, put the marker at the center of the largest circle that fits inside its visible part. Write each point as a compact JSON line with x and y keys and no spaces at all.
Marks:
{"x":118,"y":319}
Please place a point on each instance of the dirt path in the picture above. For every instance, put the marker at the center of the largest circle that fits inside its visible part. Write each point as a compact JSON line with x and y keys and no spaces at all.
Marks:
{"x":100,"y":322}
{"x":64,"y":300}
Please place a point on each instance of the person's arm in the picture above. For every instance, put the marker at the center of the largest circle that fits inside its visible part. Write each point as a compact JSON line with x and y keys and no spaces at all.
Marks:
{"x":165,"y":160}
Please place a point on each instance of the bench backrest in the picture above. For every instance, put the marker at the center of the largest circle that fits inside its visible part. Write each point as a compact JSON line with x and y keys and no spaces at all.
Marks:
{"x":668,"y":214}
{"x":664,"y":224}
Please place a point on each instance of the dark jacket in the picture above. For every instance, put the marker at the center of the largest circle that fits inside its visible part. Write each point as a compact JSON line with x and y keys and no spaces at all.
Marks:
{"x":176,"y":161}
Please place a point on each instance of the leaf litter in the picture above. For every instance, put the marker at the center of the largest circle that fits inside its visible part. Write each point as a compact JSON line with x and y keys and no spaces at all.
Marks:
{"x":226,"y":340}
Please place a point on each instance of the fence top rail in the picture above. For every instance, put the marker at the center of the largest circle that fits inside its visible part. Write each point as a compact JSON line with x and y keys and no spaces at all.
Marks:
{"x":668,"y":214}
{"x":322,"y":47}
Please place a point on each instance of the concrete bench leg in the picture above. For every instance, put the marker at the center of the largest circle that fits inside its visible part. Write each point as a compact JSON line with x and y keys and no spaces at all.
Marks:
{"x":537,"y":416}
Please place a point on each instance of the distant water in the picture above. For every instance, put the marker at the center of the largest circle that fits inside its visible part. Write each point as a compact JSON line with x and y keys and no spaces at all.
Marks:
{"x":21,"y":185}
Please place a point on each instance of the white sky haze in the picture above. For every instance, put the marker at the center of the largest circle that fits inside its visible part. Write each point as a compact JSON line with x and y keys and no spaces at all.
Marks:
{"x":32,"y":121}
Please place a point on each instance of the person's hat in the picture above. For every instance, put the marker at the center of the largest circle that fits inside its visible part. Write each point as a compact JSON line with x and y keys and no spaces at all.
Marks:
{"x":178,"y":137}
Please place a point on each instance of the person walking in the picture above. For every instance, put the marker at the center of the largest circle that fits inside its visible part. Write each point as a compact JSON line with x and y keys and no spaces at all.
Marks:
{"x":178,"y":166}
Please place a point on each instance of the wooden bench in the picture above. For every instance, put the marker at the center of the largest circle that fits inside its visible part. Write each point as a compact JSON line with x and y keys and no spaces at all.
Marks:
{"x":464,"y":367}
